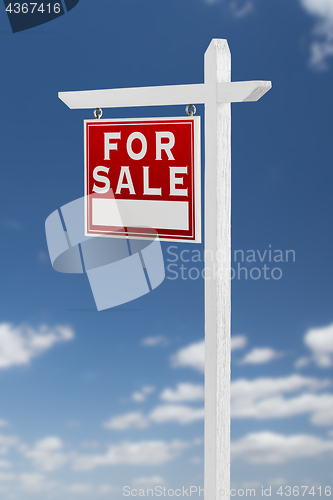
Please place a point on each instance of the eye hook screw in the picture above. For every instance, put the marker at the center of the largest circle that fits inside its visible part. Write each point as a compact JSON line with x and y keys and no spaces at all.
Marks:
{"x":190,"y":109}
{"x":98,"y":113}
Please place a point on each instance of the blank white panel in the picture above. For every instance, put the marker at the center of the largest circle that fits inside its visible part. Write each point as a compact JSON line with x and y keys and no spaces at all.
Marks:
{"x":140,"y":213}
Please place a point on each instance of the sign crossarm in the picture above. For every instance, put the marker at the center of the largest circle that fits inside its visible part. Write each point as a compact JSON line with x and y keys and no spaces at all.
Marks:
{"x":241,"y":91}
{"x":164,"y":95}
{"x":134,"y":97}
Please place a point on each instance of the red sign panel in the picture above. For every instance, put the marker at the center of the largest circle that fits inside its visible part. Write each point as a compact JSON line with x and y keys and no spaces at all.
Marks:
{"x":141,"y":174}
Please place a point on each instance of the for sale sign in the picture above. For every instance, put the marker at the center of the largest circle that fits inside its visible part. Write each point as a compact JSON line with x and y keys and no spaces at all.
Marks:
{"x":143,"y":174}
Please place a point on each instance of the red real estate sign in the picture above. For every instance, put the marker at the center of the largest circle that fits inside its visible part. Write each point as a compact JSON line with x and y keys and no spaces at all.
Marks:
{"x":143,"y":174}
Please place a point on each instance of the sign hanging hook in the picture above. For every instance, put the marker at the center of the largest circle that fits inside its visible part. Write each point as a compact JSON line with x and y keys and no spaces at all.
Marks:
{"x":98,"y":113}
{"x":190,"y":109}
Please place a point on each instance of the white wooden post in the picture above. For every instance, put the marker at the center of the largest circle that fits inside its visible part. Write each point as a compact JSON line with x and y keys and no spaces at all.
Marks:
{"x":217,"y":284}
{"x":216,"y":93}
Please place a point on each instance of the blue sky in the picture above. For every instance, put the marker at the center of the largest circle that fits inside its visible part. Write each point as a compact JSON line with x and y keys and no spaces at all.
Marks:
{"x":93,"y":401}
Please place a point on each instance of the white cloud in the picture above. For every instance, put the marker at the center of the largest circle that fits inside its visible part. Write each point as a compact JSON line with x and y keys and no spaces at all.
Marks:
{"x":4,"y":423}
{"x":241,"y":10}
{"x":322,"y":410}
{"x":320,"y":342}
{"x":238,"y":342}
{"x":193,"y":355}
{"x":130,"y":420}
{"x":34,"y":482}
{"x":319,"y":406}
{"x":5,"y":464}
{"x":320,"y":51}
{"x":322,"y":8}
{"x":148,"y":481}
{"x":322,"y":45}
{"x":263,"y":398}
{"x":19,"y":345}
{"x":104,"y":489}
{"x":8,"y":442}
{"x":185,"y":391}
{"x":260,"y":355}
{"x":302,"y":362}
{"x":277,"y":481}
{"x":129,"y":453}
{"x":142,"y":395}
{"x":90,"y":445}
{"x":155,"y":341}
{"x":272,"y":448}
{"x":238,"y":8}
{"x":180,"y":414}
{"x":47,"y":454}
{"x":38,"y":483}
{"x":268,"y":386}
{"x":7,"y":477}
